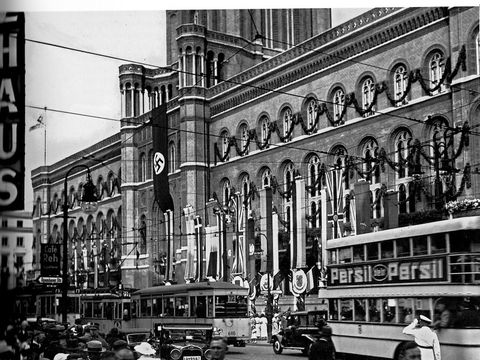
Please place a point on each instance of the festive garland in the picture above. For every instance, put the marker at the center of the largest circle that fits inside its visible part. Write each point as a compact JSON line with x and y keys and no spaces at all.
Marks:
{"x":350,"y":99}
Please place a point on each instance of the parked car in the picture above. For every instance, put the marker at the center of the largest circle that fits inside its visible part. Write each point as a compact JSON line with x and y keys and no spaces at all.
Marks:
{"x":184,"y":342}
{"x":302,"y":328}
{"x":135,"y":336}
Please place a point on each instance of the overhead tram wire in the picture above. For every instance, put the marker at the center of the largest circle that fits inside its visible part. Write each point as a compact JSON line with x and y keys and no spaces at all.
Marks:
{"x":225,"y":80}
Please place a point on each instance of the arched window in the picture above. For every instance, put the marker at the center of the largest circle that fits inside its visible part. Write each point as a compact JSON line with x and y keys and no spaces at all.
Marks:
{"x":266,"y":178}
{"x":338,"y":104}
{"x":402,"y":150}
{"x":287,"y":122}
{"x":143,"y":235}
{"x":171,"y":157}
{"x":339,"y":162}
{"x":477,"y":52}
{"x":244,"y":138}
{"x":313,"y":172}
{"x":402,"y":197}
{"x":150,"y":164}
{"x":110,"y":178}
{"x":224,"y":140}
{"x":264,"y":125}
{"x":368,"y":91}
{"x":245,"y":183}
{"x":143,"y":167}
{"x":226,"y":191}
{"x":311,"y":113}
{"x":370,"y":153}
{"x":437,"y":67}
{"x":378,"y":204}
{"x":288,"y":178}
{"x":412,"y":197}
{"x":400,"y":79}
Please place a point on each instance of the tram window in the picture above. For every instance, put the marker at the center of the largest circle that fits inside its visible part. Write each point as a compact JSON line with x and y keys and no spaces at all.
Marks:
{"x":193,"y":306}
{"x":358,"y":253}
{"x":333,"y":309}
{"x":89,"y":309}
{"x":201,"y":308}
{"x":374,"y":309}
{"x":372,"y":251}
{"x":420,"y":245}
{"x":422,"y":307}
{"x":97,"y":309}
{"x":460,"y":240}
{"x":405,"y":310}
{"x":360,"y":313}
{"x":402,"y":247}
{"x":332,"y":256}
{"x":108,"y":310}
{"x":181,"y":306}
{"x":145,"y":307}
{"x":438,"y":243}
{"x":386,"y":249}
{"x":210,"y":306}
{"x":345,"y":255}
{"x":389,"y":308}
{"x":157,"y":307}
{"x":346,"y":312}
{"x":169,"y":307}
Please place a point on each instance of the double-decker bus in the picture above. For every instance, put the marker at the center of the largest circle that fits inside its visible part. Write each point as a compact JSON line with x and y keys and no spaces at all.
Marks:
{"x":220,"y":305}
{"x":378,"y":282}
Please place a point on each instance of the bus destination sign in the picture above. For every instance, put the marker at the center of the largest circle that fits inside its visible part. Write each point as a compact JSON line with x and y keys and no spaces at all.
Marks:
{"x":402,"y":271}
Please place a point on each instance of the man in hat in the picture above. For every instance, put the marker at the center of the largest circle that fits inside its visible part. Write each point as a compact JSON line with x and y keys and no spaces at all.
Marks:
{"x":96,"y":336}
{"x":145,"y":350}
{"x":94,"y":349}
{"x":426,"y":338}
{"x":119,"y":345}
{"x":322,"y":349}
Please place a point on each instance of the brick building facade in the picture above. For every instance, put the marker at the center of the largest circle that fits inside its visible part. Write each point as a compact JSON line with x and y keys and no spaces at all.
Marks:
{"x":257,"y":125}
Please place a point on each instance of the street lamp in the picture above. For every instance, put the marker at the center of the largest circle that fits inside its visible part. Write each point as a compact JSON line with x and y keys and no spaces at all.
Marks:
{"x":88,"y":204}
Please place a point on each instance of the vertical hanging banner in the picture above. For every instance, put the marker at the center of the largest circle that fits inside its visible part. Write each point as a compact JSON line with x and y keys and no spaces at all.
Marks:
{"x":12,"y":111}
{"x":160,"y":158}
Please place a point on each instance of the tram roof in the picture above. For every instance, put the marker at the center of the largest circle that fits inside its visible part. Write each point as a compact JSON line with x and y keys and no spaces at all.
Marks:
{"x":462,"y":223}
{"x":199,"y":286}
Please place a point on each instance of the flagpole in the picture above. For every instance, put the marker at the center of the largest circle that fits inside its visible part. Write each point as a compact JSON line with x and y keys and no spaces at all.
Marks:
{"x":45,"y":137}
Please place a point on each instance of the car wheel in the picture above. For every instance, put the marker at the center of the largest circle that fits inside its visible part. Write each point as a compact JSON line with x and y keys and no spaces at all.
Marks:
{"x":277,"y":347}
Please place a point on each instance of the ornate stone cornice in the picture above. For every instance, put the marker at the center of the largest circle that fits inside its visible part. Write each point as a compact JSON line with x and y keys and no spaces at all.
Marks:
{"x":420,"y":17}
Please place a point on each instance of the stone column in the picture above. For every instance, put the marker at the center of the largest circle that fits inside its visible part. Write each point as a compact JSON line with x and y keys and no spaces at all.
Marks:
{"x":132,"y":112}
{"x":215,"y":68}
{"x":122,"y":102}
{"x":202,"y":69}
{"x":142,"y":101}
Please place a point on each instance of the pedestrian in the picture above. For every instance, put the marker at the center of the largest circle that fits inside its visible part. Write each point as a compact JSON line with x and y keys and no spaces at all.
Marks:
{"x":145,"y":350}
{"x":410,"y":351}
{"x":119,"y":345}
{"x":322,"y":348}
{"x":94,"y":349}
{"x":263,"y":327}
{"x":443,"y":317}
{"x":218,"y":346}
{"x":96,"y":336}
{"x":426,"y":338}
{"x":258,"y":327}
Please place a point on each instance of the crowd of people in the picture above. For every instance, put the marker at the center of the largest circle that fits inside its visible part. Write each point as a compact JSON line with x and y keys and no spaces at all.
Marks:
{"x":53,"y":341}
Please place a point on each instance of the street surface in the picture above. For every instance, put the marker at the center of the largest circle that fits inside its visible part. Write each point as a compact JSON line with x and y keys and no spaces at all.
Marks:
{"x":262,"y":351}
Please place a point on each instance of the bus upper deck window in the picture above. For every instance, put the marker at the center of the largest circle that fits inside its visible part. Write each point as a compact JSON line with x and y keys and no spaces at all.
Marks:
{"x":358,"y":253}
{"x":387,"y":249}
{"x":402,"y":247}
{"x":372,"y":251}
{"x":438,"y":243}
{"x":345,"y":255}
{"x":420,"y":245}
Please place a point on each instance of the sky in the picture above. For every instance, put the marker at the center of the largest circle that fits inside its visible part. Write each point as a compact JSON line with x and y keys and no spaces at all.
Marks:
{"x":71,"y":81}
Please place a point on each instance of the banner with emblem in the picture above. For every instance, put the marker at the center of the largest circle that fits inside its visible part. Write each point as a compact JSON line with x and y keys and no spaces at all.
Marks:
{"x":160,"y":158}
{"x":298,"y":284}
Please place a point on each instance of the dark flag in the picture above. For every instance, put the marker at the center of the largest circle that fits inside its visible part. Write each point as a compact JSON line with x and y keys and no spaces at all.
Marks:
{"x":160,"y":158}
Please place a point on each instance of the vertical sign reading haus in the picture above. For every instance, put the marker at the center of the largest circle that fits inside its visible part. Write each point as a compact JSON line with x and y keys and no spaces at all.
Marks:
{"x":12,"y":111}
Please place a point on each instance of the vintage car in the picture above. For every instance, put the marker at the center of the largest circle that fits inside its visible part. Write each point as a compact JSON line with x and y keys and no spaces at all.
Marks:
{"x":184,"y":342}
{"x":135,"y":336}
{"x":299,"y":330}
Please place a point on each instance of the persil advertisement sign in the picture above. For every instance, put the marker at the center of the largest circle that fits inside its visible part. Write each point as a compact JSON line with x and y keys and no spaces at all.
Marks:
{"x":12,"y":111}
{"x":402,"y":271}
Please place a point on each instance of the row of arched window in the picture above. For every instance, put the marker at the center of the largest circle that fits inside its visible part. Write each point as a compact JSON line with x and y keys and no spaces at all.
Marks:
{"x":336,"y":104}
{"x":137,"y":100}
{"x":311,"y":170}
{"x":105,"y":188}
{"x":198,"y":69}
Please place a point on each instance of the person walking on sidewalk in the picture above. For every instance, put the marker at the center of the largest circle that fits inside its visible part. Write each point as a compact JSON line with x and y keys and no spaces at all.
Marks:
{"x":323,"y":348}
{"x":426,"y":338}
